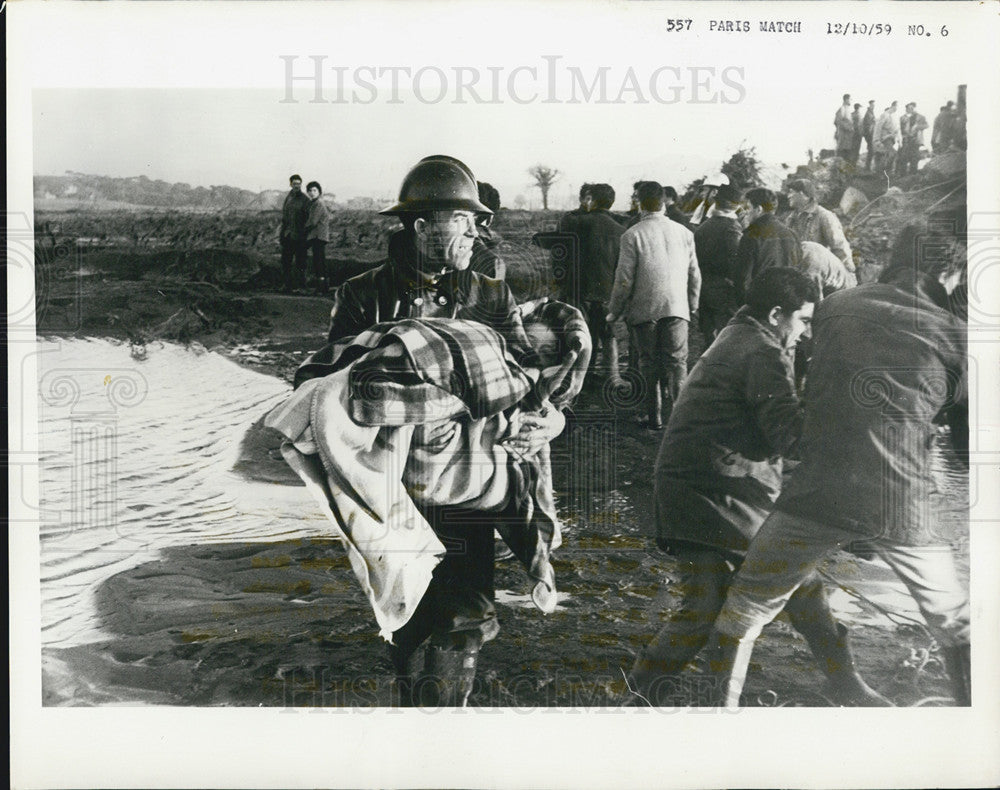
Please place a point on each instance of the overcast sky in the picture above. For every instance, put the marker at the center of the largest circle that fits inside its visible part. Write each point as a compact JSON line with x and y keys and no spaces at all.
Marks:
{"x":779,"y":97}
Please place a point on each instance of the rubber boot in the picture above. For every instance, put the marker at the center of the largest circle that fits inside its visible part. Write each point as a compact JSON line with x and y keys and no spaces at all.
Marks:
{"x":832,"y":650}
{"x":958,"y":662}
{"x":448,"y":677}
{"x":728,"y":659}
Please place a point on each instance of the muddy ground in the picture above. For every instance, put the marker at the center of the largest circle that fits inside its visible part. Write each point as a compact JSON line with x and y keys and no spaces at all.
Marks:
{"x":285,"y":624}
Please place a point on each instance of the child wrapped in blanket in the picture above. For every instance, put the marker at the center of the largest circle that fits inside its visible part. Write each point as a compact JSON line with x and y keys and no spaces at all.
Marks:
{"x":431,"y":413}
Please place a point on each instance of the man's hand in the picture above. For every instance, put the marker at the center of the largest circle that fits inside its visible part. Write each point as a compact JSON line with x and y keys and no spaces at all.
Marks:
{"x":537,"y":429}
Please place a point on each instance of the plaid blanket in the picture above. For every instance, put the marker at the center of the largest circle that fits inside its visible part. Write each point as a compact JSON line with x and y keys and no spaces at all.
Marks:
{"x":413,"y":415}
{"x":412,"y":371}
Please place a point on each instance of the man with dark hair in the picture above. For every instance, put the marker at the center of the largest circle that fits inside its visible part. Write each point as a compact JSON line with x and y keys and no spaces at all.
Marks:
{"x":889,"y":360}
{"x":485,"y":255}
{"x":811,"y":222}
{"x":670,"y":199}
{"x":292,"y":235}
{"x":716,"y":243}
{"x":427,"y":275}
{"x":844,"y":128}
{"x":599,"y":237}
{"x":766,"y":243}
{"x":656,"y":289}
{"x":717,"y":475}
{"x":911,"y":128}
{"x":868,"y":132}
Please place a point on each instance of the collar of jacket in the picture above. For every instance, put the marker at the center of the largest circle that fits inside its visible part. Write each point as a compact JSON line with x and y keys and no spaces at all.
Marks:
{"x":743,"y":317}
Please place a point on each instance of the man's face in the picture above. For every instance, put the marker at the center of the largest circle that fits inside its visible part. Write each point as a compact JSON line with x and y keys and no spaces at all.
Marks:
{"x":296,"y":185}
{"x":587,"y":202}
{"x":446,"y":238}
{"x":792,"y":327}
{"x":797,"y":200}
{"x":750,"y":213}
{"x":313,"y":192}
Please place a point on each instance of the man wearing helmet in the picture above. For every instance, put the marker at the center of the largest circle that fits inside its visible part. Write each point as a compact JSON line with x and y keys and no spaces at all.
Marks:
{"x":427,"y":275}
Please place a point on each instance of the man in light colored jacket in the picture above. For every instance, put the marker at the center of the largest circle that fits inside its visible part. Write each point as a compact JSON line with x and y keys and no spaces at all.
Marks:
{"x":657,"y":286}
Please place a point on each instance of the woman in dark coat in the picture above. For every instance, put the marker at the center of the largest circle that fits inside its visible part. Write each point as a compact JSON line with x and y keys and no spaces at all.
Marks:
{"x":317,"y":234}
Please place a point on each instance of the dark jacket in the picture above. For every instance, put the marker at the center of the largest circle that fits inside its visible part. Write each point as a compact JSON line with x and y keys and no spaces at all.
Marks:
{"x":599,"y":238}
{"x":719,"y":466}
{"x":716,"y":242}
{"x":888,"y":359}
{"x":765,"y":243}
{"x":394,"y":290}
{"x":294,"y":212}
{"x":679,"y":217}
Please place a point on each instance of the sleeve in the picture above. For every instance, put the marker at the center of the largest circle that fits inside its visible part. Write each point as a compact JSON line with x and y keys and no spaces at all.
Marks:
{"x":621,"y":292}
{"x":346,"y":317}
{"x":694,"y":275}
{"x":836,"y":241}
{"x":745,"y":257}
{"x":771,"y":394}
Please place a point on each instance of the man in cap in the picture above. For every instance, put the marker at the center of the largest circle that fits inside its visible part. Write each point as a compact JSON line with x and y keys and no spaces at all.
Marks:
{"x":868,"y":132}
{"x":292,"y":235}
{"x":887,"y":139}
{"x":941,"y":133}
{"x":427,"y":275}
{"x":844,"y":128}
{"x":716,"y":243}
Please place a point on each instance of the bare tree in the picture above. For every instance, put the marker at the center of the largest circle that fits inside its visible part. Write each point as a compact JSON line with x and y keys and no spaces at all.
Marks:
{"x":544,"y":177}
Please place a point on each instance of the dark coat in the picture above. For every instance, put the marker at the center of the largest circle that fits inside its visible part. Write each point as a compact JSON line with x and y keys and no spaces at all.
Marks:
{"x":719,"y":466}
{"x":599,"y":238}
{"x":294,"y":212}
{"x":318,"y":221}
{"x":716,"y":242}
{"x":888,"y":359}
{"x":393,"y":290}
{"x":765,"y":243}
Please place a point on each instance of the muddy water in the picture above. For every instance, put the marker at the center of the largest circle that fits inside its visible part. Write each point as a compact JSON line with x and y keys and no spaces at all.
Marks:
{"x":138,"y":452}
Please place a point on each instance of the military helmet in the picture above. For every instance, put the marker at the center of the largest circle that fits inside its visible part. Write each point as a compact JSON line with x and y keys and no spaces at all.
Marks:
{"x":438,"y":183}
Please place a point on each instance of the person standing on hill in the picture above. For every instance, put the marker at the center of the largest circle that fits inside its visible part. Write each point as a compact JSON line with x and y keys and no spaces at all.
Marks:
{"x":292,"y":235}
{"x":844,"y":129}
{"x":856,"y":122}
{"x":868,"y":132}
{"x":767,"y":243}
{"x":941,"y":133}
{"x":911,"y":127}
{"x":657,"y":286}
{"x":811,"y":222}
{"x":716,"y":244}
{"x":317,"y":235}
{"x":599,"y":237}
{"x":887,"y":140}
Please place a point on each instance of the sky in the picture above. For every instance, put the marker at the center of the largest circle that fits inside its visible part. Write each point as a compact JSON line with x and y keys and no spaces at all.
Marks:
{"x":188,"y":126}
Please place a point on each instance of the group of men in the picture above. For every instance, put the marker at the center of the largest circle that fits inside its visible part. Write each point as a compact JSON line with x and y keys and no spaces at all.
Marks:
{"x":748,"y":548}
{"x":650,"y":269}
{"x":894,"y":143}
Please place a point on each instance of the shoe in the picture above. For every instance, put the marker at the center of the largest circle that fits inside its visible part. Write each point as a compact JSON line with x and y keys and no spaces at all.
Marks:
{"x":448,"y":677}
{"x":958,"y":662}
